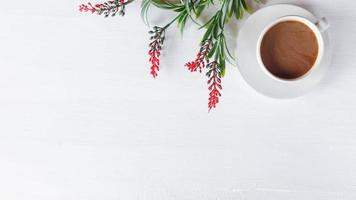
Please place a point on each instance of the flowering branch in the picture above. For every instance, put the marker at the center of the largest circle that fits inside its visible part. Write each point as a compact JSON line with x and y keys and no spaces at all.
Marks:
{"x":214,"y":46}
{"x":159,"y":32}
{"x":156,"y":44}
{"x":214,"y":82}
{"x":201,"y":59}
{"x":107,"y":8}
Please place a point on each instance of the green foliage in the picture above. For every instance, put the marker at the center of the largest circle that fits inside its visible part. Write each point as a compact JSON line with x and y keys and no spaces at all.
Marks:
{"x":215,"y":26}
{"x":215,"y":30}
{"x":145,"y":5}
{"x":185,"y":9}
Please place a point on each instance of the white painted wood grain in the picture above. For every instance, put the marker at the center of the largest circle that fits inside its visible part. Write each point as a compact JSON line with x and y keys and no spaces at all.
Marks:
{"x":81,"y":118}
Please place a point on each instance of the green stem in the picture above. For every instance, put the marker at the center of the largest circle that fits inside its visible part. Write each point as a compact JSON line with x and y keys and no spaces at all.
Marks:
{"x":170,"y":23}
{"x":128,"y":1}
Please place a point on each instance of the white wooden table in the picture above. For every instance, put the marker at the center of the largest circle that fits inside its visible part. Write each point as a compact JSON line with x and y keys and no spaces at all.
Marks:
{"x":82,"y":119}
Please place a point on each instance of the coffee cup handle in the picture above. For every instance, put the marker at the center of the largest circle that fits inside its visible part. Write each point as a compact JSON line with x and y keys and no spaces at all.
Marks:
{"x":322,"y":24}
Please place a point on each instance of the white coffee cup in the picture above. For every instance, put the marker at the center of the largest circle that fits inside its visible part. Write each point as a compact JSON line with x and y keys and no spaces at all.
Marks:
{"x":317,"y":27}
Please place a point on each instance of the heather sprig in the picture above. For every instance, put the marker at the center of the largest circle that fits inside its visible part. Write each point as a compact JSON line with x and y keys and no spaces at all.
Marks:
{"x":200,"y":61}
{"x":107,"y":8}
{"x":214,"y":82}
{"x":157,"y":39}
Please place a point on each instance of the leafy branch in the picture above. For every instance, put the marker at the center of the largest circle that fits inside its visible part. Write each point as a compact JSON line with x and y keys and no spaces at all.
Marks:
{"x":218,"y":52}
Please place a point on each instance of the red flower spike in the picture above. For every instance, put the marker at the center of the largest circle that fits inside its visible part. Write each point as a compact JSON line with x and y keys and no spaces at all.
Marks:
{"x":86,"y":8}
{"x":201,"y":59}
{"x":107,"y":8}
{"x":214,"y":82}
{"x":157,"y":39}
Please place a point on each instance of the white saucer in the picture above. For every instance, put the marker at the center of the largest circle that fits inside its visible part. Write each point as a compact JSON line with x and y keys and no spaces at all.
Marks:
{"x":247,"y":59}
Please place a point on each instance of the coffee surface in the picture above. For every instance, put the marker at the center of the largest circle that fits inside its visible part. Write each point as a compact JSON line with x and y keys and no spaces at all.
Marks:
{"x":289,"y":49}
